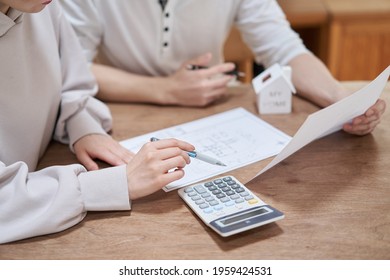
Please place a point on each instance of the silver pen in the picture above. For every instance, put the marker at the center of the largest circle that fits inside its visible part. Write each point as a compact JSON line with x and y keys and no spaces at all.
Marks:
{"x":232,"y":72}
{"x":197,"y":155}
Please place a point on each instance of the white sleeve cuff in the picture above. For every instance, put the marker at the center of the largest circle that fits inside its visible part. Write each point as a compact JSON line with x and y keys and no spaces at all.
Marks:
{"x":105,"y":189}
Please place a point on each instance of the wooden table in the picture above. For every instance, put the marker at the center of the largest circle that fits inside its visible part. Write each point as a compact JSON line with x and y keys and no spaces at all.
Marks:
{"x":335,"y":194}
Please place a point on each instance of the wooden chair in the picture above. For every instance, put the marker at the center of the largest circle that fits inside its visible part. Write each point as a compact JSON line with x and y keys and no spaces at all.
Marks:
{"x":237,"y":52}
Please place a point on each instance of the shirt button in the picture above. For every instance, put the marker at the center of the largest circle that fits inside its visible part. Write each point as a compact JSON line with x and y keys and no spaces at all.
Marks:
{"x":165,"y":44}
{"x":167,"y":15}
{"x":166,"y":29}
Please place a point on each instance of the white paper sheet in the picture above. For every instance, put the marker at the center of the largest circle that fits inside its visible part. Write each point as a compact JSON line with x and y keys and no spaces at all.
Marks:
{"x":332,"y":118}
{"x":236,"y":137}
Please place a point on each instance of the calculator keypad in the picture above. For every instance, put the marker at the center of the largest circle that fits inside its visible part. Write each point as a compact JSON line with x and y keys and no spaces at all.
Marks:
{"x":220,"y":193}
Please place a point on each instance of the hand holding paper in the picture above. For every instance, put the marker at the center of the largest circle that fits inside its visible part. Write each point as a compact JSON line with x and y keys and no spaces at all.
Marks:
{"x":367,"y":122}
{"x":333,"y":117}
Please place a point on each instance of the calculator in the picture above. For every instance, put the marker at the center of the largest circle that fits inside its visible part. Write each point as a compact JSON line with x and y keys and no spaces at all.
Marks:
{"x":228,"y":206}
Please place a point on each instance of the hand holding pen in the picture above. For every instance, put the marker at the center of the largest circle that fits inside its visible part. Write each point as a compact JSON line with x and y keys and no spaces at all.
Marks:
{"x":156,"y":165}
{"x":198,"y":88}
{"x":232,"y":72}
{"x":199,"y":156}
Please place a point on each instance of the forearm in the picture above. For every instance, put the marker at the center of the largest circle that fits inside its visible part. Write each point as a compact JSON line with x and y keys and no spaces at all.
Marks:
{"x":314,"y":82}
{"x":184,"y":87}
{"x":55,"y":198}
{"x":120,"y":86}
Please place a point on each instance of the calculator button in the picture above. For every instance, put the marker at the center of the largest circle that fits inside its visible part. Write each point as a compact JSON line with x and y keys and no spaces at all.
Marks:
{"x":200,"y":189}
{"x":226,"y":179}
{"x":234,"y":186}
{"x":208,"y":199}
{"x":204,"y":195}
{"x":240,"y":200}
{"x":218,"y":181}
{"x":253,"y":201}
{"x":203,"y":206}
{"x":229,"y":203}
{"x":213,"y":202}
{"x":196,"y":197}
{"x":220,"y":195}
{"x":243,"y":194}
{"x":208,"y":184}
{"x":232,"y":182}
{"x":230,"y":193}
{"x":249,"y":197}
{"x":225,"y":199}
{"x":213,"y":188}
{"x":218,"y":207}
{"x":238,"y":190}
{"x":208,"y":210}
{"x":188,"y":190}
{"x":193,"y":193}
{"x":200,"y":201}
{"x":223,"y":185}
{"x":225,"y":189}
{"x":216,"y":192}
{"x":234,"y":196}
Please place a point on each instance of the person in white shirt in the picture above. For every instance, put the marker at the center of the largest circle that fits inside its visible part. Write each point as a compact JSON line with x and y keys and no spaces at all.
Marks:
{"x":47,"y":91}
{"x":144,"y":48}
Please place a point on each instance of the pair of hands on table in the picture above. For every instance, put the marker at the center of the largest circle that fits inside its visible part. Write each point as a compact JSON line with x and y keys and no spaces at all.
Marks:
{"x":147,"y":171}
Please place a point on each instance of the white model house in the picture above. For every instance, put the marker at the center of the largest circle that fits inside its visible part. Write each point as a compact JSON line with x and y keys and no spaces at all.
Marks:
{"x":274,"y":90}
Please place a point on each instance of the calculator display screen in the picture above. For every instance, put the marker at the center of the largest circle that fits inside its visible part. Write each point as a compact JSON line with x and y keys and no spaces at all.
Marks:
{"x":244,"y":216}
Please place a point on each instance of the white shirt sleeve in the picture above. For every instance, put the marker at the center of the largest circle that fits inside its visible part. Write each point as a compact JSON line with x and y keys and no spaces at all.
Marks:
{"x":81,"y":114}
{"x":55,"y":198}
{"x":85,"y":18}
{"x":265,"y":29}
